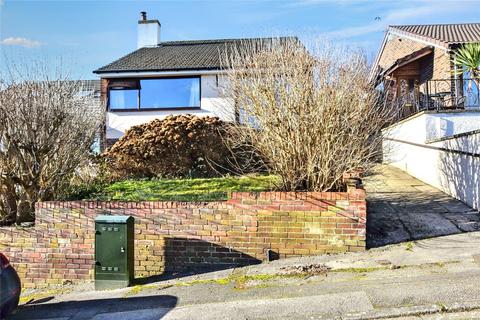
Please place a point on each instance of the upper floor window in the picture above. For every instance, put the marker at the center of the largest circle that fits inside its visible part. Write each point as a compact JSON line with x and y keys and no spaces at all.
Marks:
{"x":170,"y":93}
{"x":123,"y":94}
{"x":123,"y":99}
{"x":148,"y":94}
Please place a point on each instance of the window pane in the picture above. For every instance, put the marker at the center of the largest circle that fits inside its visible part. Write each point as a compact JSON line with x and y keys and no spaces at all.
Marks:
{"x":170,"y":93}
{"x":471,"y":91}
{"x":123,"y":99}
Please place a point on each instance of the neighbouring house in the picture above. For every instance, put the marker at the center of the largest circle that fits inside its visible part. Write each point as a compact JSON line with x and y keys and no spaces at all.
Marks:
{"x":91,"y":88}
{"x":436,"y":138}
{"x":415,"y":67}
{"x":164,"y":78}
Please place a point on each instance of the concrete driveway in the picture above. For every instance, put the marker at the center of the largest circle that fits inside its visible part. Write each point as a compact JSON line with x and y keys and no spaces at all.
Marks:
{"x":401,"y":208}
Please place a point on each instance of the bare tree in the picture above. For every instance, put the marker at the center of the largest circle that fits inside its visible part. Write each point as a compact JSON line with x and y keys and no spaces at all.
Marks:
{"x":47,"y":128}
{"x":306,"y":113}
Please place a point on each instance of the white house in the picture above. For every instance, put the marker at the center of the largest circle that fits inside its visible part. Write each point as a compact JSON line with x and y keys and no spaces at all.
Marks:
{"x":164,"y":78}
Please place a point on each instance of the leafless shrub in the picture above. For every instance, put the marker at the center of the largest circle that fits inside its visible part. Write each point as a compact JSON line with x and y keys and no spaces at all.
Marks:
{"x":47,"y":128}
{"x":307,"y":113}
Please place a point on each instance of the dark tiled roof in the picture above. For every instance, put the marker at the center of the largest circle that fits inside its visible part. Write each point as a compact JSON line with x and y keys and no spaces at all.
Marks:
{"x":444,"y":33}
{"x":178,"y":56}
{"x":91,"y":85}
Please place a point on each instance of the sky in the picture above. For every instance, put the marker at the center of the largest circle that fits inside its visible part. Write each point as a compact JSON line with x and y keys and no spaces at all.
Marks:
{"x":89,"y":34}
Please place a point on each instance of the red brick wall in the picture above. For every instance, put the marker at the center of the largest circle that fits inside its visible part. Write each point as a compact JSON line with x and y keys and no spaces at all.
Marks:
{"x":398,"y":47}
{"x":437,"y":66}
{"x":179,"y":235}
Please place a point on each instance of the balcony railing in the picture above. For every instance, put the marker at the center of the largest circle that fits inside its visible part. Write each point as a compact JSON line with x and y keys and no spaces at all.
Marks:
{"x":442,"y":94}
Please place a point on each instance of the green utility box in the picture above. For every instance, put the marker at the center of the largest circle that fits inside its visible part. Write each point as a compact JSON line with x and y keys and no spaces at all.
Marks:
{"x":114,"y":258}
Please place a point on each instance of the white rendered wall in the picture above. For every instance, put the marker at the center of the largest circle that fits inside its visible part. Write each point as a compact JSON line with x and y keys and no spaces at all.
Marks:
{"x":441,"y":125}
{"x":211,"y":104}
{"x":407,"y":147}
{"x":148,"y":34}
{"x":459,"y":175}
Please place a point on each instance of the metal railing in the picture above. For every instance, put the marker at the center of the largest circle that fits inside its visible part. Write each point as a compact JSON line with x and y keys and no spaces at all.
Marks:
{"x":439,"y":94}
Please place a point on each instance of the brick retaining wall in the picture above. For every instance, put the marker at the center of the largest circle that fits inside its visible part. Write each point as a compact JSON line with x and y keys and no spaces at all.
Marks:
{"x":179,"y":235}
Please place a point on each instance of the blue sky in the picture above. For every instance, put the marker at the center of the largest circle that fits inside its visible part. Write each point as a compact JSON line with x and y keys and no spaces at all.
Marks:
{"x":89,"y":34}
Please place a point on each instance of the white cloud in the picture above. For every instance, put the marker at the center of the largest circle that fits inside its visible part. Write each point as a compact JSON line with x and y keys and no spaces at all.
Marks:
{"x":21,"y":42}
{"x":392,"y":17}
{"x":421,"y":13}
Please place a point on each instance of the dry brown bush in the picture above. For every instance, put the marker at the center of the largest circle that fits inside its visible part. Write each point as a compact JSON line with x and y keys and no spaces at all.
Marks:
{"x":306,"y":110}
{"x":177,"y":146}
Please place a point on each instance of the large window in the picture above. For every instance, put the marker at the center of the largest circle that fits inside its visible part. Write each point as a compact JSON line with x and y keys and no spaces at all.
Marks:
{"x":170,"y":93}
{"x":152,"y":94}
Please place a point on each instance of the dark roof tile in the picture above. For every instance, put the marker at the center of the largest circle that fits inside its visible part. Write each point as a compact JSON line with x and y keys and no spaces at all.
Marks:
{"x":178,"y":56}
{"x":444,"y":33}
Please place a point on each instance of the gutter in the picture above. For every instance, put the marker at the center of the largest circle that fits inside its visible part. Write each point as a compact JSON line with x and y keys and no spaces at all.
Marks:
{"x":419,"y":38}
{"x":153,"y":73}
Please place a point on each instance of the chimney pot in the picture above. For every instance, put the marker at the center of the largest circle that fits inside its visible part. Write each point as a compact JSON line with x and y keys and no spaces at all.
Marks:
{"x":143,"y":15}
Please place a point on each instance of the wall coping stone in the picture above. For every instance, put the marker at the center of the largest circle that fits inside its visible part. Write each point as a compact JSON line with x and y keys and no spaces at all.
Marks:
{"x":357,"y":193}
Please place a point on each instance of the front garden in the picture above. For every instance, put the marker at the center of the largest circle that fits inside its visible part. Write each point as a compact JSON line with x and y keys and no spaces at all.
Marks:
{"x":304,"y":120}
{"x":180,"y":189}
{"x":303,"y":123}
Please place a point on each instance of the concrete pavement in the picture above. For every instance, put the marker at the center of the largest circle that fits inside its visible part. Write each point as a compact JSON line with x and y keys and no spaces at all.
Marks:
{"x":402,"y":208}
{"x":394,"y":280}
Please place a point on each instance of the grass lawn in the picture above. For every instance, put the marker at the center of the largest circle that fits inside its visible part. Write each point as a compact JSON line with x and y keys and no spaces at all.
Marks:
{"x":184,"y":189}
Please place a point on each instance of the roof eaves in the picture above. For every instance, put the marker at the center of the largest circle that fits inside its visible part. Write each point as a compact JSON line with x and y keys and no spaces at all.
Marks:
{"x":418,"y":37}
{"x":157,"y":70}
{"x":373,"y":70}
{"x":407,"y":59}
